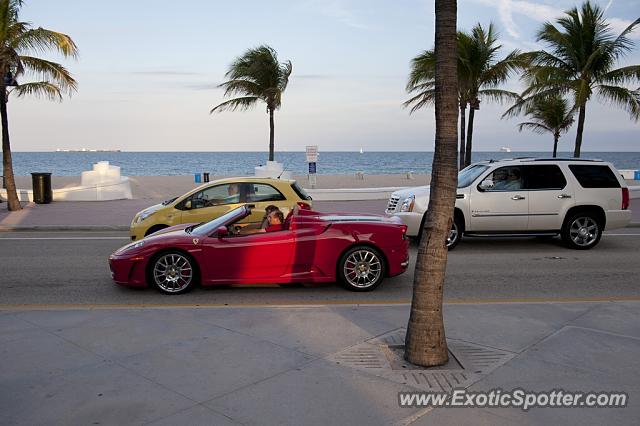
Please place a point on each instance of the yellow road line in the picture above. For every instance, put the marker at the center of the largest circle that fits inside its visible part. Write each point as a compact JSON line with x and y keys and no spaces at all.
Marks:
{"x":320,"y":303}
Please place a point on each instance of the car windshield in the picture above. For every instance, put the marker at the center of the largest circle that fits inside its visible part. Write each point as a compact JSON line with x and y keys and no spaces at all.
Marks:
{"x":207,"y":228}
{"x":470,"y":174}
{"x":167,"y":202}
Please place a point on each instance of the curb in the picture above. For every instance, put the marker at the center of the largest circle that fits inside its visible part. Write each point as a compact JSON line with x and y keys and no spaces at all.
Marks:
{"x":44,"y":228}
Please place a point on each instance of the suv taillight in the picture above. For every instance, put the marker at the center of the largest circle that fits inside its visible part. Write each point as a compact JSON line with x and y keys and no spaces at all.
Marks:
{"x":404,"y":232}
{"x":625,"y":198}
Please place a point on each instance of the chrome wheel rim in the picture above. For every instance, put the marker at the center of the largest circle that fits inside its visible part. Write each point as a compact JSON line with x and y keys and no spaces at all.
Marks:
{"x":173,"y":272}
{"x":453,"y":235}
{"x":583,"y":231}
{"x":362,"y":268}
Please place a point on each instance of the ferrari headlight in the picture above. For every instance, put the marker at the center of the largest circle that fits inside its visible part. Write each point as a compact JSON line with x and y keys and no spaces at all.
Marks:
{"x":407,"y":204}
{"x":131,"y":246}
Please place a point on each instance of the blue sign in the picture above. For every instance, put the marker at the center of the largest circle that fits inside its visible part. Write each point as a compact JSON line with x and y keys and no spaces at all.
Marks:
{"x":312,"y":168}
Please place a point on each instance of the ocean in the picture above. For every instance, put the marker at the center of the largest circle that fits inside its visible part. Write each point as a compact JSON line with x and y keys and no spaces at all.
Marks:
{"x":242,"y":163}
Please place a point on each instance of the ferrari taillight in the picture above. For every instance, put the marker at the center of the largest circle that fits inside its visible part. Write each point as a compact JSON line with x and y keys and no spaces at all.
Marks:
{"x":625,"y":198}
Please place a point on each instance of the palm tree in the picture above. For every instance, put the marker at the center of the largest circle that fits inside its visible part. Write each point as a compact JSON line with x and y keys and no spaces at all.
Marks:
{"x":580,"y":60}
{"x":426,"y":344}
{"x":485,"y":73}
{"x":551,"y":114}
{"x":256,"y":75}
{"x":422,"y":83}
{"x":19,"y":42}
{"x":479,"y":75}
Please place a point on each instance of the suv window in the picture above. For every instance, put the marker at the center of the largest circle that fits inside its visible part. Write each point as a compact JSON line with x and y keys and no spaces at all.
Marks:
{"x":216,"y":196}
{"x":544,"y":177}
{"x":468,"y":175}
{"x":259,"y":192}
{"x":507,"y":178}
{"x":592,"y":176}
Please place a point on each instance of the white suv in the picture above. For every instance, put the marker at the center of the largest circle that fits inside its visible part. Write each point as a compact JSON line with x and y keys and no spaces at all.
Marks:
{"x":575,"y":198}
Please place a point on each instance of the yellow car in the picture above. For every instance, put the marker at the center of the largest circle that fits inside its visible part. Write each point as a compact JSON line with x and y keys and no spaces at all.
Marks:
{"x":215,"y":198}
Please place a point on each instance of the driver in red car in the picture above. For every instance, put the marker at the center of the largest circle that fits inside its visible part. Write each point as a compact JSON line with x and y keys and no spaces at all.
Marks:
{"x":275,"y":221}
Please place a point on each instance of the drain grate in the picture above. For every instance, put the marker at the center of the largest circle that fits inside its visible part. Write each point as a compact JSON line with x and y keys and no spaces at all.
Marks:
{"x":384,"y":356}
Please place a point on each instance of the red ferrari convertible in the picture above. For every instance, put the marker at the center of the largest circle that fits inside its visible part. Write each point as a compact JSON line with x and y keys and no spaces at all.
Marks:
{"x":359,"y":251}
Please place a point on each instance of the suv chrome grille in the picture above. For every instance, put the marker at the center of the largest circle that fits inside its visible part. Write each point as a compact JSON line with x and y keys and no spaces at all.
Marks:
{"x":393,"y":204}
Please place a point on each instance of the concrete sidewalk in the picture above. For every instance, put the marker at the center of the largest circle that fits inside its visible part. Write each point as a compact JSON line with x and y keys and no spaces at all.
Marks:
{"x":294,"y":365}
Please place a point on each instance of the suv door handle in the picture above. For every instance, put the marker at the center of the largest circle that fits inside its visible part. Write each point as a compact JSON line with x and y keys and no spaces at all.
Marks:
{"x":517,"y":197}
{"x":564,"y":196}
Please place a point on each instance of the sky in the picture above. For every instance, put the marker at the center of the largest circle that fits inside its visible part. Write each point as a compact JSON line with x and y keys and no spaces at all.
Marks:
{"x":148,"y":70}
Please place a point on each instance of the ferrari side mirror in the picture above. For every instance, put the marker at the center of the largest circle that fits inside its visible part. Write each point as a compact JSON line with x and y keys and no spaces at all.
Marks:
{"x":222,"y":231}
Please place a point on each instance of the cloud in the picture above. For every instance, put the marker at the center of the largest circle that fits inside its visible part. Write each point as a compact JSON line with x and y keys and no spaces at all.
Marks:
{"x":165,"y":72}
{"x":312,"y":76}
{"x":202,"y":86}
{"x":541,"y":13}
{"x":336,"y":9}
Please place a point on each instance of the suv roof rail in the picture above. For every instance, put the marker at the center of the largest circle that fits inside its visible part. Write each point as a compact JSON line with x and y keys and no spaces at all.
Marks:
{"x":567,"y":159}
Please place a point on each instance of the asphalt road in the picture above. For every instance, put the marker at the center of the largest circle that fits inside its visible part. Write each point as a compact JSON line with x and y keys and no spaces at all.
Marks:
{"x":63,"y":268}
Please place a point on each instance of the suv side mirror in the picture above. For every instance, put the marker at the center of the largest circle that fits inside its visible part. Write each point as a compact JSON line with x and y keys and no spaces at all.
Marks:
{"x":486,"y":184}
{"x":222,"y":231}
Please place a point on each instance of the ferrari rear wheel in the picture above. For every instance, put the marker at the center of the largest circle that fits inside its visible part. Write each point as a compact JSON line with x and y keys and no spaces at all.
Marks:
{"x":361,"y":268}
{"x":173,"y":273}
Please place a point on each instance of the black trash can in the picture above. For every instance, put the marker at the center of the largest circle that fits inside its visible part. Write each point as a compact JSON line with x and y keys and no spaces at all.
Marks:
{"x":205,"y":176}
{"x":41,"y":183}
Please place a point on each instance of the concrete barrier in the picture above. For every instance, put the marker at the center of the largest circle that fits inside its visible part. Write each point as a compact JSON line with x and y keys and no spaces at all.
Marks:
{"x":352,"y":194}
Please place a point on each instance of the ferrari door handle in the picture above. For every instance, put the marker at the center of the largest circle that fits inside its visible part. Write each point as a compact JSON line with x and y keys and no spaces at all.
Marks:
{"x":564,"y":196}
{"x":517,"y":197}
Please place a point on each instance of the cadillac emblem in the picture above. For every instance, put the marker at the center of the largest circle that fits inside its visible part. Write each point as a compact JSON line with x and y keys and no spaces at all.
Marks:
{"x":195,"y":241}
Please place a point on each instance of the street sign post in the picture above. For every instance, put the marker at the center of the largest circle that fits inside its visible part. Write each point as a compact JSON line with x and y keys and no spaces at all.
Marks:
{"x":312,"y":158}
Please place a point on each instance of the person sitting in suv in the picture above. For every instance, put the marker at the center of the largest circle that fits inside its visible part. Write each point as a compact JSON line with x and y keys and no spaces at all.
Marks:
{"x":508,"y":180}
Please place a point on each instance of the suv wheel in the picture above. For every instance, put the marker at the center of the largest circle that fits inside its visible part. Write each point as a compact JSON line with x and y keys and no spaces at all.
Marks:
{"x":582,"y":231}
{"x":454,"y":234}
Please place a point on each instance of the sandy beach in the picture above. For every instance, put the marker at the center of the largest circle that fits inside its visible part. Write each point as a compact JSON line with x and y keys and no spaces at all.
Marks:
{"x":161,"y":187}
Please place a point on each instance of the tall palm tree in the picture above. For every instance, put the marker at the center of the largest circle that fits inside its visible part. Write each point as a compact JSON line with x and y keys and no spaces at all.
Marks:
{"x":426,"y":344}
{"x":580,"y":60}
{"x":549,"y":115}
{"x":19,"y":42}
{"x":422,"y":84}
{"x":256,"y":76}
{"x":479,"y":76}
{"x":486,"y":73}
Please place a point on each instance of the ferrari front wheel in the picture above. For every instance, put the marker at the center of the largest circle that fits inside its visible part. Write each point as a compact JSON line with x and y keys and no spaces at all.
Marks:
{"x":361,"y":268}
{"x":173,"y":273}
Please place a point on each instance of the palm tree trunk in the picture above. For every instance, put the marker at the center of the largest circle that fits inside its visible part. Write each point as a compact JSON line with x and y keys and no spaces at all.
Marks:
{"x":467,"y":156}
{"x":555,"y":144}
{"x":581,"y":116}
{"x":12,"y":196}
{"x":271,"y":149}
{"x":426,"y":344}
{"x":463,"y":110}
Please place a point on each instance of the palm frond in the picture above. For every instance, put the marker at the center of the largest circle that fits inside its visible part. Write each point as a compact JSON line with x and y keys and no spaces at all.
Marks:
{"x":244,"y":103}
{"x":627,"y":99}
{"x":39,"y":89}
{"x":498,"y":95}
{"x":421,"y":100}
{"x":51,"y":72}
{"x":624,"y":75}
{"x":534,"y":127}
{"x":41,"y":40}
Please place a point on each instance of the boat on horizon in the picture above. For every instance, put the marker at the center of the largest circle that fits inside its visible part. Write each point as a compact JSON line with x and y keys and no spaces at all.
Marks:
{"x":505,"y":149}
{"x":87,"y":150}
{"x":361,"y":150}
